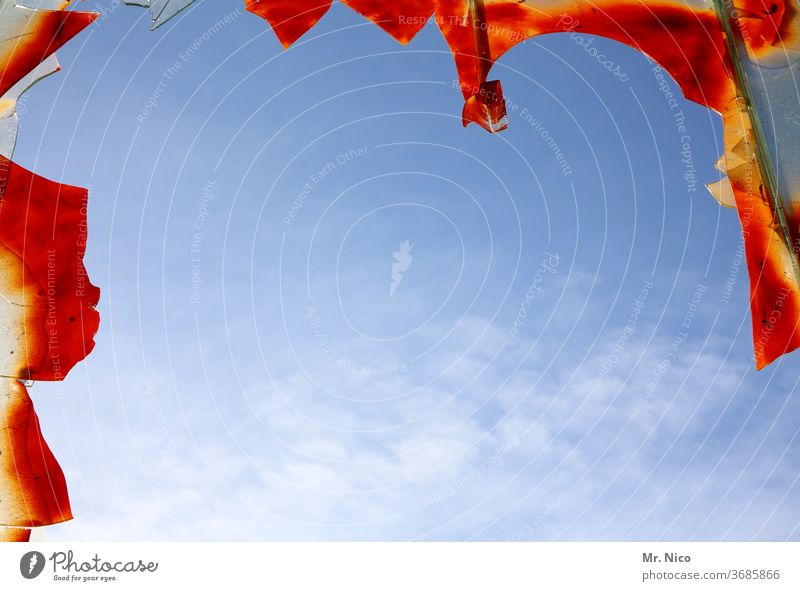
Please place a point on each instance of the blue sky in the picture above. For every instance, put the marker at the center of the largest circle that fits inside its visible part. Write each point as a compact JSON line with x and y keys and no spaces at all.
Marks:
{"x":567,"y":354}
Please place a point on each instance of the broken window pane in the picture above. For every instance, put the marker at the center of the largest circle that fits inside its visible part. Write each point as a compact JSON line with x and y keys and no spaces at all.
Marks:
{"x":28,"y":36}
{"x":47,"y":324}
{"x":759,"y":161}
{"x":47,"y":309}
{"x":32,"y":486}
{"x":9,"y":121}
{"x":47,"y":315}
{"x":688,"y":41}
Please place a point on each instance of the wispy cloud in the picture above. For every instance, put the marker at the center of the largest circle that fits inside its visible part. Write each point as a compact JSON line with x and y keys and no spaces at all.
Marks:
{"x":493,"y":437}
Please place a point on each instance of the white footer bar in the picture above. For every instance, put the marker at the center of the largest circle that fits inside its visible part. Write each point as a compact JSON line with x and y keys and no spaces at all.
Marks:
{"x":401,"y":566}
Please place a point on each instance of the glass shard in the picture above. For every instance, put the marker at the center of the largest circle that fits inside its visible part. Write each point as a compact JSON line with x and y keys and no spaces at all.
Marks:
{"x":684,"y":38}
{"x":290,"y":19}
{"x":44,"y":4}
{"x":694,"y":44}
{"x":29,"y":35}
{"x":161,"y":10}
{"x":47,"y":310}
{"x":9,"y":122}
{"x":761,"y":152}
{"x":32,"y":487}
{"x":15,"y":534}
{"x":47,"y":305}
{"x":402,"y":19}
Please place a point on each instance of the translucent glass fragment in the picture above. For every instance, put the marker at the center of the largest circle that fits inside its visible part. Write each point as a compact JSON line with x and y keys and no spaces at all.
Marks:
{"x":402,"y":19}
{"x":47,"y":310}
{"x":760,"y":160}
{"x":28,"y":36}
{"x":9,"y":122}
{"x":290,"y":19}
{"x":14,"y":534}
{"x":33,"y":491}
{"x":691,"y":41}
{"x":161,"y":10}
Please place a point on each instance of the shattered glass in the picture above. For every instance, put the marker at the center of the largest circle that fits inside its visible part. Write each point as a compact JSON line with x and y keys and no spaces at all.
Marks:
{"x":47,"y":304}
{"x":47,"y":313}
{"x":746,"y":73}
{"x":32,"y":487}
{"x":28,"y":36}
{"x":289,"y":19}
{"x":47,"y":324}
{"x":761,"y":152}
{"x":161,"y":10}
{"x":739,"y":59}
{"x":14,"y":534}
{"x":9,"y":121}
